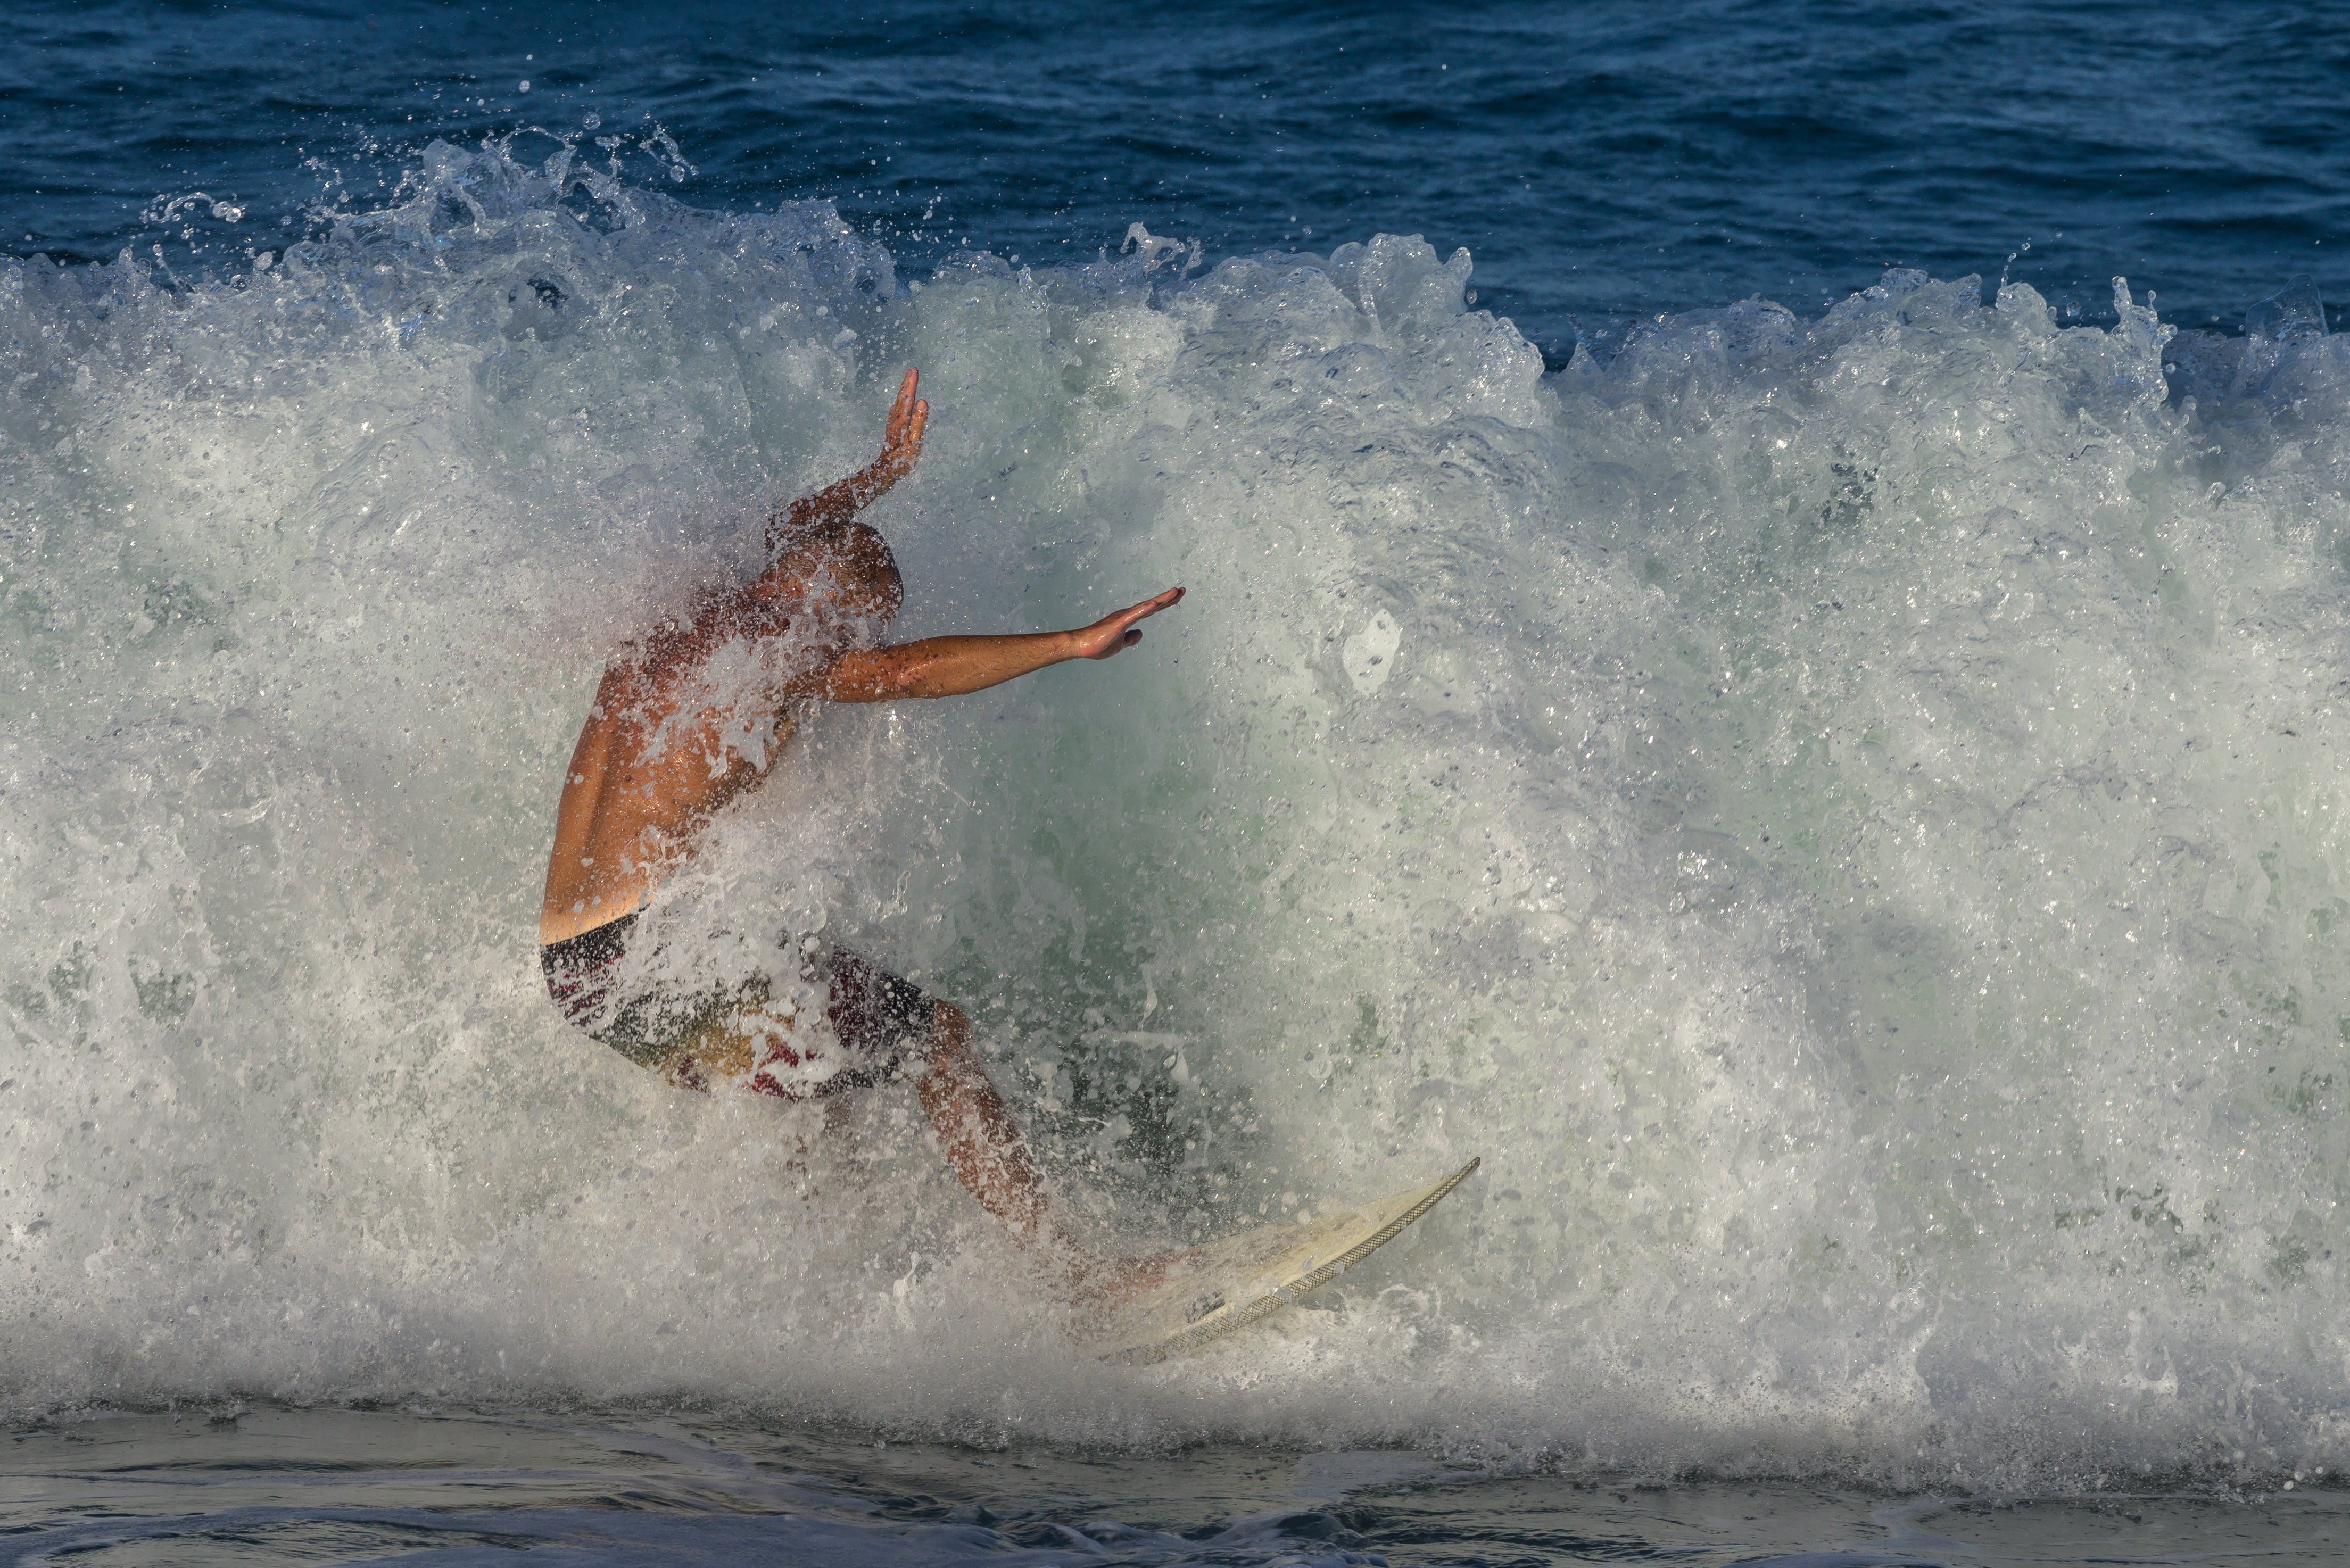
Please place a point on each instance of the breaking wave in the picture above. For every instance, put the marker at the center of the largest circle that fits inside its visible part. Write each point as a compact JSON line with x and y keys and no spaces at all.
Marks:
{"x":1841,"y":815}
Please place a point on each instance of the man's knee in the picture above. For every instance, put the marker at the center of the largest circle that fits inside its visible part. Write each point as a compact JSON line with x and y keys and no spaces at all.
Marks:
{"x":947,"y":1045}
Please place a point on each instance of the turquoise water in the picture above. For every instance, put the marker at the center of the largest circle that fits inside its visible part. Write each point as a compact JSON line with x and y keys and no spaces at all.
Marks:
{"x":1832,"y":795}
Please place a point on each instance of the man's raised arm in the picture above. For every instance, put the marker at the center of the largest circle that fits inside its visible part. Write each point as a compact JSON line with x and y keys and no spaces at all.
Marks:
{"x":952,"y":666}
{"x":901,"y":443}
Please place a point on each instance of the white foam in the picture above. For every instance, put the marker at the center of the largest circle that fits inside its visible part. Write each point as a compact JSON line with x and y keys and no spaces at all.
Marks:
{"x":1844,"y":823}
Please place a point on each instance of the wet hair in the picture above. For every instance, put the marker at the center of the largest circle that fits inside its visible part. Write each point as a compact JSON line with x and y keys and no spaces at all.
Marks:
{"x":847,"y":563}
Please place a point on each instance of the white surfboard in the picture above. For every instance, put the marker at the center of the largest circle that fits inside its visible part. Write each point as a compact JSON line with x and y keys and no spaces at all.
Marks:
{"x":1236,"y":1281}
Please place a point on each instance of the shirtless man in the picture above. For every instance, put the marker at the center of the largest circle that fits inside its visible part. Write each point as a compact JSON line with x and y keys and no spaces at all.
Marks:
{"x":677,"y":731}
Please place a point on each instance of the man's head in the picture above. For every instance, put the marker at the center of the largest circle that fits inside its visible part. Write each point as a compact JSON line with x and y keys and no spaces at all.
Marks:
{"x":844,"y":570}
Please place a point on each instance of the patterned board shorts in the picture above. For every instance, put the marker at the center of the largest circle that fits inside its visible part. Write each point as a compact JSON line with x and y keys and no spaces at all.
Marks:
{"x":843,"y":1023}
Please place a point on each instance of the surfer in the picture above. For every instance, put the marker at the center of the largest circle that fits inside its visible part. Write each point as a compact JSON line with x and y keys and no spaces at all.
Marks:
{"x":692,"y":714}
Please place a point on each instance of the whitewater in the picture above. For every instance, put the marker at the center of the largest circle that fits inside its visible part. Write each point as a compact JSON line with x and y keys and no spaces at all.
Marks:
{"x":1841,"y":813}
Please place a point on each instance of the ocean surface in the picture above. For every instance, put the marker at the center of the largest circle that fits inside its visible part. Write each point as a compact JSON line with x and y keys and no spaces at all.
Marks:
{"x":1769,"y":620}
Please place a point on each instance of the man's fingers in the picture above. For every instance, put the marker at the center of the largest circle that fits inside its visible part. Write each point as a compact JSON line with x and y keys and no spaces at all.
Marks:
{"x":905,"y":410}
{"x":901,"y":436}
{"x":1156,"y":603}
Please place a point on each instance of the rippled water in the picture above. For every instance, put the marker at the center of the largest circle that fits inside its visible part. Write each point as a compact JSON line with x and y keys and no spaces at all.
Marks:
{"x":1834,"y":801}
{"x":267,"y":1486}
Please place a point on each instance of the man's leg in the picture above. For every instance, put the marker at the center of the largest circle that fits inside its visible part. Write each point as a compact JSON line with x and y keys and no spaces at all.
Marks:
{"x":976,"y":1130}
{"x":982,"y":1143}
{"x":986,"y":1152}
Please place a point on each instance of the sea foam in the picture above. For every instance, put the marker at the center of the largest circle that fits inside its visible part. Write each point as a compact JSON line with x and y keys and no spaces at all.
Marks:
{"x":1842,"y":815}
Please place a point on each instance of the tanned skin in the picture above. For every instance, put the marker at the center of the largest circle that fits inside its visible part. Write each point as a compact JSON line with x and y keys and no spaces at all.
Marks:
{"x":652,"y":768}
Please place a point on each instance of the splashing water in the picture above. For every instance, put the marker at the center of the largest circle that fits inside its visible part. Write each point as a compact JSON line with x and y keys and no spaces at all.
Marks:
{"x":1841,"y":815}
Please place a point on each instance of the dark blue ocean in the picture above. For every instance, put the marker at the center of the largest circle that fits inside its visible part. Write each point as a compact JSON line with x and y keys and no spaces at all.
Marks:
{"x":1770,"y":611}
{"x":1602,"y":162}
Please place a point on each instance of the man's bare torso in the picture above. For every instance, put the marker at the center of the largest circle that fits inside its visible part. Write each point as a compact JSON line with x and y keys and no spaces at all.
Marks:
{"x":649,"y":772}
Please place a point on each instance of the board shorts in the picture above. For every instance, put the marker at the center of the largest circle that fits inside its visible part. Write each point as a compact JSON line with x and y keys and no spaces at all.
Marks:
{"x":824,"y":1019}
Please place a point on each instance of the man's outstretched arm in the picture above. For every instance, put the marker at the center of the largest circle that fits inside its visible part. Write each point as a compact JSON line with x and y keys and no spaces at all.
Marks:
{"x":952,"y":666}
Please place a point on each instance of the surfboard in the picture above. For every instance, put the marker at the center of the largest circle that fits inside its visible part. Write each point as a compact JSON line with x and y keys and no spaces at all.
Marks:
{"x":1227,"y":1284}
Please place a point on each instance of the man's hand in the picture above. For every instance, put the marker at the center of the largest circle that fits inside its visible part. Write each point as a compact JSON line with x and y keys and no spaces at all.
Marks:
{"x":1113,"y":632}
{"x":901,"y":438}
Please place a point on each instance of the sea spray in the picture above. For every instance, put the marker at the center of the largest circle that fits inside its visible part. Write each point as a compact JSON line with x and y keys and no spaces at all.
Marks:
{"x":1840,"y":814}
